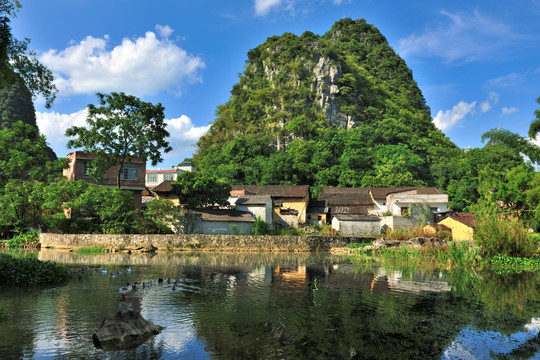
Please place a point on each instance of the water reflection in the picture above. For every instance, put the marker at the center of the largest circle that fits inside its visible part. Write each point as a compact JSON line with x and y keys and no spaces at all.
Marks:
{"x":268,"y":306}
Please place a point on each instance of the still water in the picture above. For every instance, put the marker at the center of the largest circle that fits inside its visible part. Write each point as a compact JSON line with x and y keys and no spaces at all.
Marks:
{"x":281,"y":306}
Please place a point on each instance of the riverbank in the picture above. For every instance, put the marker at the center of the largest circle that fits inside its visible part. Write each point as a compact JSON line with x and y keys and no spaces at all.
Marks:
{"x":198,"y":242}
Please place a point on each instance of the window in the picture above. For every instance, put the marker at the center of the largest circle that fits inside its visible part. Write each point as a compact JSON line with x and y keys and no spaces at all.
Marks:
{"x":129,"y":172}
{"x":168,"y":176}
{"x":151,"y":178}
{"x":86,"y":169}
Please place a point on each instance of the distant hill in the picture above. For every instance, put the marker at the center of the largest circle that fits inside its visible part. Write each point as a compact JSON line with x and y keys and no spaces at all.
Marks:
{"x":340,"y":109}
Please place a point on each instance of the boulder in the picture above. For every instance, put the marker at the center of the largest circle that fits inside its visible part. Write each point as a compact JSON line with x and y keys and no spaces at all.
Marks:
{"x":127,"y":329}
{"x":423,"y":242}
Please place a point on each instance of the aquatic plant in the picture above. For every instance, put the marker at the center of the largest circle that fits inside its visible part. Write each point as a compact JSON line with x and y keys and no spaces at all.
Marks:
{"x":31,"y":271}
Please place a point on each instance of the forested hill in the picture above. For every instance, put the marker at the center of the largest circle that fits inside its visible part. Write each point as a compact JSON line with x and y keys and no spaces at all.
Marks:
{"x":340,"y":109}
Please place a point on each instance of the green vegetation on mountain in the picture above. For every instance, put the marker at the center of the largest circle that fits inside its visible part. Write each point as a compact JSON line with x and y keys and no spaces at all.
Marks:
{"x":340,"y":109}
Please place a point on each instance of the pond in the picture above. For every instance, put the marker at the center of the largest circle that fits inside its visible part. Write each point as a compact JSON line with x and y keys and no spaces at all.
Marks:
{"x":274,"y":306}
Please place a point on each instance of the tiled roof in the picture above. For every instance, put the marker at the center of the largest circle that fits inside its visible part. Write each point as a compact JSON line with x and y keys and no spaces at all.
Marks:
{"x":382,"y":192}
{"x":464,"y":218}
{"x":162,"y":171}
{"x":349,"y":217}
{"x":350,"y":199}
{"x":164,"y":186}
{"x":357,"y":210}
{"x":345,"y":190}
{"x":318,"y":206}
{"x":284,"y":191}
{"x":253,"y":200}
{"x":439,"y":227}
{"x":225,"y":215}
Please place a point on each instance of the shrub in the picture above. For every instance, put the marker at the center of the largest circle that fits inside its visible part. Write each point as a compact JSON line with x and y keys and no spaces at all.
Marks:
{"x":497,"y":235}
{"x":29,"y":239}
{"x":260,"y":227}
{"x":30,"y":271}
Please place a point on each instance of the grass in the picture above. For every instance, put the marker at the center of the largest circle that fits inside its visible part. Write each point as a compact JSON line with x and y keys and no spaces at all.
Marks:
{"x":452,"y":256}
{"x":358,"y":245}
{"x":498,"y":235}
{"x":94,"y":250}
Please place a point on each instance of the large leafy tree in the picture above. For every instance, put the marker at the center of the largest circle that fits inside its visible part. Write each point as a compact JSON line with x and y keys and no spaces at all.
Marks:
{"x":534,"y":129}
{"x":120,"y":128}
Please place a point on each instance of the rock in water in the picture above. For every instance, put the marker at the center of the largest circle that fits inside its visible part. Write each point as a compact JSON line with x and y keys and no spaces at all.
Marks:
{"x":127,"y":329}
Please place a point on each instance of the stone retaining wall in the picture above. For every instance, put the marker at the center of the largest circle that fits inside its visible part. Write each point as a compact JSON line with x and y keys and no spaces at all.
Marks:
{"x":200,"y":242}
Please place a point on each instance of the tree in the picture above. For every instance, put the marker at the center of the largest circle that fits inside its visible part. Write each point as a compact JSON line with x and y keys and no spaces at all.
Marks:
{"x":23,"y":152}
{"x":200,"y":190}
{"x":18,"y":64}
{"x":534,"y":129}
{"x":514,"y":141}
{"x":121,"y":127}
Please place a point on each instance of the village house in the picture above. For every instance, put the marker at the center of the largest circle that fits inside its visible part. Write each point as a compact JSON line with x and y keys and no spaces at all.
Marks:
{"x":461,"y":224}
{"x":157,"y":176}
{"x":132,"y":174}
{"x":395,"y":207}
{"x":290,"y":201}
{"x":164,"y":191}
{"x":258,"y":206}
{"x":222,"y":221}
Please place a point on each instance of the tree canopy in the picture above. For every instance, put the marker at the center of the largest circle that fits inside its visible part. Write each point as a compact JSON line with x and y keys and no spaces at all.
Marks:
{"x":200,"y":190}
{"x":120,"y":128}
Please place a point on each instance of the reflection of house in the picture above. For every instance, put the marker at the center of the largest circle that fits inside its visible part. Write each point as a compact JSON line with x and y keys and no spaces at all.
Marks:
{"x":257,"y":205}
{"x":131,"y":174}
{"x":223,"y":221}
{"x":290,"y":201}
{"x":461,"y":224}
{"x":164,"y":191}
{"x":357,"y":225}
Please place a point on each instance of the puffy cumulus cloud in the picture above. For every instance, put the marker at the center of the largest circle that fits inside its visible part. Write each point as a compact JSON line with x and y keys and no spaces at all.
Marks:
{"x":184,"y":136}
{"x":462,"y":37}
{"x":493,"y":99}
{"x":142,"y":66}
{"x":263,"y":7}
{"x":509,"y":110}
{"x":449,"y":118}
{"x":53,"y":125}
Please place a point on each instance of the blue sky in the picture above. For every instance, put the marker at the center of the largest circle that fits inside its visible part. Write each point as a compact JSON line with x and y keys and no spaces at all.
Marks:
{"x":476,"y":62}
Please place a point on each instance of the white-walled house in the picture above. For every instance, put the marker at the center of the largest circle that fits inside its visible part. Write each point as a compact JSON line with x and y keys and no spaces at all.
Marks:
{"x":257,"y":205}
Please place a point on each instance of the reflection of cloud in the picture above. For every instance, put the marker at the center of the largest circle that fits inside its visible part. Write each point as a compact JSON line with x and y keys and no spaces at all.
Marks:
{"x":449,"y":118}
{"x":476,"y":344}
{"x":142,"y":66}
{"x":462,"y":37}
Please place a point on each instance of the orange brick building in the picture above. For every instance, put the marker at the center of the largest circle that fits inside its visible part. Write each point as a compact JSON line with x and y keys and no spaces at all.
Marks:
{"x":132,"y":176}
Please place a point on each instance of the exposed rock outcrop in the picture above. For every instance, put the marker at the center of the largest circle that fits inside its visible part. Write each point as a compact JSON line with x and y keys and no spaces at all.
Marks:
{"x":127,"y":329}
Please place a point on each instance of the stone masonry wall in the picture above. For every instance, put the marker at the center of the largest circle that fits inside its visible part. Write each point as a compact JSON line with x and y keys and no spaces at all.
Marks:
{"x":202,"y":242}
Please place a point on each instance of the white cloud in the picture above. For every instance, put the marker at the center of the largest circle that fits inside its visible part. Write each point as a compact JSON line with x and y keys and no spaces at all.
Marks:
{"x":493,"y":99}
{"x":142,"y":66}
{"x":510,"y":80}
{"x":263,"y":7}
{"x":509,"y":110}
{"x":53,"y":125}
{"x":462,"y":37}
{"x":184,"y":136}
{"x":449,"y":118}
